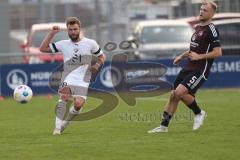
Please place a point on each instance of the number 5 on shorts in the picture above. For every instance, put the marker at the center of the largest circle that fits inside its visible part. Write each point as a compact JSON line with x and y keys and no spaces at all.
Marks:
{"x":194,"y":78}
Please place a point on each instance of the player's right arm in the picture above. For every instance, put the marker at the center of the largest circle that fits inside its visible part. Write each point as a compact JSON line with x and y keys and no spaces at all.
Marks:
{"x":178,"y":59}
{"x":44,"y":47}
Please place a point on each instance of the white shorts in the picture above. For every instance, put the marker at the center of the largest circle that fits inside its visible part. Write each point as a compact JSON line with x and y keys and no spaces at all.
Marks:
{"x":77,"y":82}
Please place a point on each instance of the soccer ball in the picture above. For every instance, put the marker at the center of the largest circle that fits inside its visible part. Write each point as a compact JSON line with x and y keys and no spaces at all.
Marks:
{"x":22,"y":94}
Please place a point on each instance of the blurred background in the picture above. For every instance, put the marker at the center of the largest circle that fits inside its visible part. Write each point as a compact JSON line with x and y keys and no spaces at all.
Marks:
{"x":152,"y":29}
{"x":103,"y":20}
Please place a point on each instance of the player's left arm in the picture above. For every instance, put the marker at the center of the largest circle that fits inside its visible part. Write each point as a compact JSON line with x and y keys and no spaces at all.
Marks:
{"x":215,"y":43}
{"x":100,"y":61}
{"x":97,"y":51}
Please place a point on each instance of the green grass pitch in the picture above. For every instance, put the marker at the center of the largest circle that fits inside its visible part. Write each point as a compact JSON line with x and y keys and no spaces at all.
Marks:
{"x":26,"y":131}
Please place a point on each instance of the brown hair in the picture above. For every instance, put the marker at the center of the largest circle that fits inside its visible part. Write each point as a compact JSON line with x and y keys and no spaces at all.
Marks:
{"x":73,"y":20}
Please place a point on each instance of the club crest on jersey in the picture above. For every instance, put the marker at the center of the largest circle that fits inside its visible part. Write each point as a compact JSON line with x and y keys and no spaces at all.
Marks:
{"x":194,"y":37}
{"x":200,"y":33}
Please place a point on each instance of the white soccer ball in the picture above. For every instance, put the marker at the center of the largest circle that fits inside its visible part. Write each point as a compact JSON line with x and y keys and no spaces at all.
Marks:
{"x":22,"y":94}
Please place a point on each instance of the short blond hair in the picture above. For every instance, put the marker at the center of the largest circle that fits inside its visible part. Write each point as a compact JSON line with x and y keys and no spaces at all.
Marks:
{"x":212,"y":3}
{"x":72,"y":21}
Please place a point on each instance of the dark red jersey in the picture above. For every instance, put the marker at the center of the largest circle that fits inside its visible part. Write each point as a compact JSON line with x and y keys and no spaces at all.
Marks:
{"x":203,"y":40}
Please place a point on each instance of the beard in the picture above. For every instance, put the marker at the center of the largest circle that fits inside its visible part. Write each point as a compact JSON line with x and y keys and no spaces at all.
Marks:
{"x":74,"y":37}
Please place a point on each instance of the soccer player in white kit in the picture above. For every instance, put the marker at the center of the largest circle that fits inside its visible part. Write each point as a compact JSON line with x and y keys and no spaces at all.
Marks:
{"x":73,"y":83}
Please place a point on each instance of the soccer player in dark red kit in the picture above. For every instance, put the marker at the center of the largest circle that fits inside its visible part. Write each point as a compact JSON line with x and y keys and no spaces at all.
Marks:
{"x":204,"y":47}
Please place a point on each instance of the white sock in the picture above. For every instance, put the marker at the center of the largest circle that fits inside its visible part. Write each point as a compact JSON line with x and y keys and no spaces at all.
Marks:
{"x":71,"y":114}
{"x":60,"y":113}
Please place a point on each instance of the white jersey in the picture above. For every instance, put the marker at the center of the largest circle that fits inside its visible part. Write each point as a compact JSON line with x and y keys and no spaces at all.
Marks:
{"x":70,"y":50}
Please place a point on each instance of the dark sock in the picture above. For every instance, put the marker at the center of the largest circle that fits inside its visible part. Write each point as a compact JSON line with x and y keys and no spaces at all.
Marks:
{"x":166,"y":119}
{"x":194,"y":107}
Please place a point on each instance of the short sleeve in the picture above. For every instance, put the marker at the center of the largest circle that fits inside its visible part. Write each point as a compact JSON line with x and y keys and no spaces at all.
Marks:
{"x":56,"y":46}
{"x":96,"y":50}
{"x":214,"y":36}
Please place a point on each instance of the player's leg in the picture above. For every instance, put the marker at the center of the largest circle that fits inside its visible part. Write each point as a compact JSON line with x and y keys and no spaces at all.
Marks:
{"x":193,"y":83}
{"x":78,"y":102}
{"x":190,"y":102}
{"x":175,"y":97}
{"x":199,"y":114}
{"x":185,"y":84}
{"x":170,"y":108}
{"x":172,"y":104}
{"x":60,"y":108}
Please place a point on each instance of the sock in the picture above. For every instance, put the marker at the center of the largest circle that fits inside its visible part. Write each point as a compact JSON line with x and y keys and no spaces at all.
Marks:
{"x":166,"y":119}
{"x":71,"y":114}
{"x":60,"y":113}
{"x":194,"y":107}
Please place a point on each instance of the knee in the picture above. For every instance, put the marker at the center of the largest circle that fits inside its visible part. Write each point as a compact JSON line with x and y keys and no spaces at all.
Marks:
{"x":78,"y":103}
{"x":65,"y":93}
{"x":65,"y":97}
{"x":176,"y":95}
